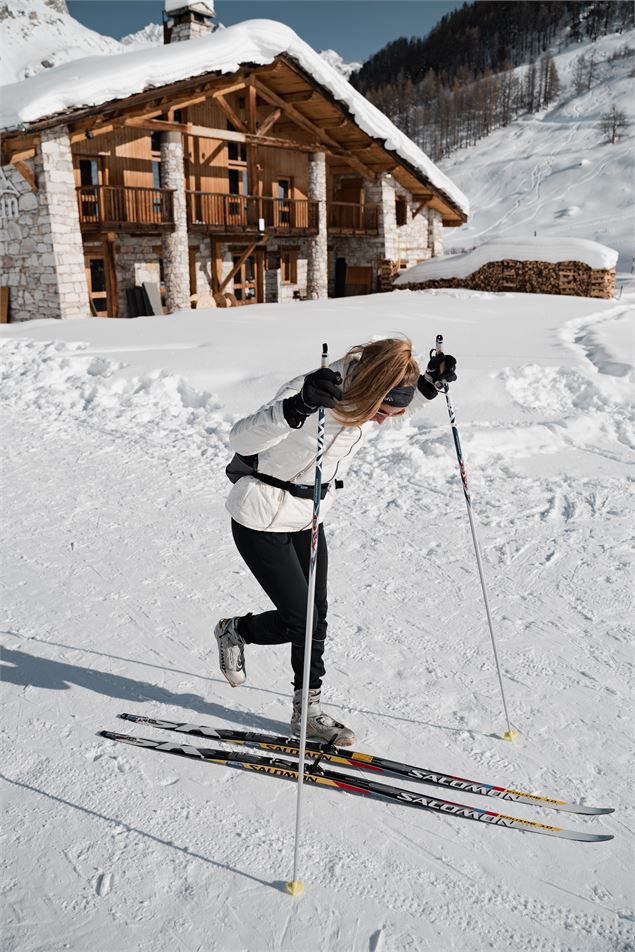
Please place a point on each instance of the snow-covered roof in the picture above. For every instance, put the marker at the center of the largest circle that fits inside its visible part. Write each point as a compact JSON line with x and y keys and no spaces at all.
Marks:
{"x":100,"y":79}
{"x":206,"y":7}
{"x":552,"y":250}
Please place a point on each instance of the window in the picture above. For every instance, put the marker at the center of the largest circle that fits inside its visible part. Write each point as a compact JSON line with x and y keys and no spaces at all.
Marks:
{"x":236,"y":151}
{"x":289,"y":265}
{"x":401,"y":210}
{"x":88,"y":172}
{"x":234,"y":178}
{"x":155,"y":141}
{"x":283,"y":191}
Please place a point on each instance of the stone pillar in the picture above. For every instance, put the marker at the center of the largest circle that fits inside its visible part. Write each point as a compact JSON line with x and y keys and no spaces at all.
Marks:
{"x":317,"y":285}
{"x":176,"y":265}
{"x":435,"y":232}
{"x":59,"y":272}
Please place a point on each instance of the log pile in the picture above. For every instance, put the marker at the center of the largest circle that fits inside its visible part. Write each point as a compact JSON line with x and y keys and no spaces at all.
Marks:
{"x":387,"y":271}
{"x":531,"y":277}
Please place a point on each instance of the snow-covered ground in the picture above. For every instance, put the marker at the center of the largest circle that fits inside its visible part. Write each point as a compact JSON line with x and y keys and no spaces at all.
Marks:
{"x":118,"y":559}
{"x":552,"y":174}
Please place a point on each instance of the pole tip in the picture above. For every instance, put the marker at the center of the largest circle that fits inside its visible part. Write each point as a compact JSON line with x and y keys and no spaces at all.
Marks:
{"x":295,"y":887}
{"x":510,"y":735}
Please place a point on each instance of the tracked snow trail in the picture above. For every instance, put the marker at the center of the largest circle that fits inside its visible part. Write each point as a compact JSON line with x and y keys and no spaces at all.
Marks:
{"x":117,"y":559}
{"x":552,"y":173}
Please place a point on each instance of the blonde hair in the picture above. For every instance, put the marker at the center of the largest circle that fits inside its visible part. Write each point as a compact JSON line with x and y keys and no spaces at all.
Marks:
{"x":371,"y":371}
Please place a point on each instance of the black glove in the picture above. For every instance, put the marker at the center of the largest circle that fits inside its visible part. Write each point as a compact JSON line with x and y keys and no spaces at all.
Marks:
{"x":320,"y":389}
{"x":440,"y":370}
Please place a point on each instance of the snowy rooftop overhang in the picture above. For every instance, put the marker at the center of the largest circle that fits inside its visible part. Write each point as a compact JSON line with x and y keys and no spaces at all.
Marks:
{"x":551,"y":250}
{"x":98,"y":80}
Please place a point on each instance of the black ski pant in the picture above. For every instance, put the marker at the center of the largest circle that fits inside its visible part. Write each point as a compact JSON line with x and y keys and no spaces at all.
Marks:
{"x":279,"y":561}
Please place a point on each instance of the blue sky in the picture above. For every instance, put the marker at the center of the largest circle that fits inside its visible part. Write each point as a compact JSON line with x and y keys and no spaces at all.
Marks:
{"x":355,"y":28}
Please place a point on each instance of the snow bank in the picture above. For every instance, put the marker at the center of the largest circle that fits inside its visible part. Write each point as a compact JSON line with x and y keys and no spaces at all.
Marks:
{"x":99,"y":79}
{"x":551,"y":250}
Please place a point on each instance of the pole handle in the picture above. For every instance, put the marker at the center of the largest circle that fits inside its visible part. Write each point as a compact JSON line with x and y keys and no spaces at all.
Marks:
{"x":325,"y":355}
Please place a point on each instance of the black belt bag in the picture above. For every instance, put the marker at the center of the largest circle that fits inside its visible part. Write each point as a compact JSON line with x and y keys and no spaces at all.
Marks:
{"x":240,"y":466}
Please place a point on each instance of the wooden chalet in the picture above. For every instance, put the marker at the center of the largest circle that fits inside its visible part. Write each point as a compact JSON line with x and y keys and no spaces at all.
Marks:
{"x":217,"y":189}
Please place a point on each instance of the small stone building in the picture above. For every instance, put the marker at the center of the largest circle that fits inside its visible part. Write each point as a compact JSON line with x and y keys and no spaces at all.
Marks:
{"x":203,"y":181}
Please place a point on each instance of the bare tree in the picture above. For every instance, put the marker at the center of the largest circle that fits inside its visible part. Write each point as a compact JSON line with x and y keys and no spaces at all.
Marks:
{"x":612,"y":123}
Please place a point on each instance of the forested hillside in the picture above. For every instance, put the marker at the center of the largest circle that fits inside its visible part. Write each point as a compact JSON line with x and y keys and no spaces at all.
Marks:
{"x":455,"y":86}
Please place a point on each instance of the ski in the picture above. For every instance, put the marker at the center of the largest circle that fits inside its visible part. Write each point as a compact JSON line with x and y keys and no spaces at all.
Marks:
{"x":315,"y":774}
{"x":289,"y":746}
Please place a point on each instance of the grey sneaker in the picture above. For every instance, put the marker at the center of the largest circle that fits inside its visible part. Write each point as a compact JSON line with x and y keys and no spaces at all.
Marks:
{"x":231,"y":653}
{"x":318,"y":724}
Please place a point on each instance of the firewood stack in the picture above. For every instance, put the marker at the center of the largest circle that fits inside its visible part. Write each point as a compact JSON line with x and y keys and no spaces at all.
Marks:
{"x":530,"y":277}
{"x":387,"y":271}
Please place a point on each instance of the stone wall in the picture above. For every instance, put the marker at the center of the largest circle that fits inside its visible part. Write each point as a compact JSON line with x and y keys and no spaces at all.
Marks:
{"x":137,"y":259}
{"x":41,"y":248}
{"x":401,"y":245}
{"x":530,"y":277}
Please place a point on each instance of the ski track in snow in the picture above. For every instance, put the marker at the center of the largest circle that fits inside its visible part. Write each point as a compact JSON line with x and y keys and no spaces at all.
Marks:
{"x":118,"y":560}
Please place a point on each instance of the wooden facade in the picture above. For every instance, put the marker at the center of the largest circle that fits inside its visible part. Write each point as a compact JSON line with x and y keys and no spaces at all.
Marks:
{"x":247,"y":139}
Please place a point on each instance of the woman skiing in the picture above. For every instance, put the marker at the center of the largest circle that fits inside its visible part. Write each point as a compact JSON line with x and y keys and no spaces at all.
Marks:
{"x":271,"y":502}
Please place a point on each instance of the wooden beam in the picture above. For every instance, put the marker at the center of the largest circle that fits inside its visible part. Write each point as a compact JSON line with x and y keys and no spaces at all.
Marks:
{"x":27,"y":174}
{"x":252,"y":152}
{"x":304,"y":95}
{"x":234,"y":271}
{"x":224,"y":135}
{"x":16,"y":157}
{"x":306,"y":124}
{"x":18,"y":149}
{"x":233,"y":116}
{"x":94,"y":132}
{"x":330,"y":123}
{"x":269,"y":122}
{"x":421,"y":204}
{"x":235,"y":87}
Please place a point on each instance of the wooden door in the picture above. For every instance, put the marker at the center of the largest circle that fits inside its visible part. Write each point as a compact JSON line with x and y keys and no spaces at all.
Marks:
{"x":90,"y":172}
{"x":99,"y":282}
{"x":246,"y":280}
{"x":283,"y":211}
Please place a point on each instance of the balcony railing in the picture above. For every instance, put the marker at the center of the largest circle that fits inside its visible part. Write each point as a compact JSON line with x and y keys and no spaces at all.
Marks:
{"x":151,"y":209}
{"x":244,"y":213}
{"x":346,"y":218}
{"x":125,"y":207}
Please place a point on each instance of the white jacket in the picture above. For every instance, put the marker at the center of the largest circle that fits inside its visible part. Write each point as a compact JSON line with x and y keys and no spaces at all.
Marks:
{"x":290,"y":455}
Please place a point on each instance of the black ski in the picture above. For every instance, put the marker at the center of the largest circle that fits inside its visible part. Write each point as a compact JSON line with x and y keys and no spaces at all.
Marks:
{"x":350,"y":783}
{"x":289,"y":746}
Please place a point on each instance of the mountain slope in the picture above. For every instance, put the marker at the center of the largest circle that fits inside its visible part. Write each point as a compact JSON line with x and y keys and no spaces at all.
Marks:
{"x":552,"y":173}
{"x":37,"y":34}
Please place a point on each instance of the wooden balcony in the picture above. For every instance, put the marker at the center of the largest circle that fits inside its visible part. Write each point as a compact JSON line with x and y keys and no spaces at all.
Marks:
{"x":346,"y":218}
{"x":114,"y":208}
{"x":225,"y":214}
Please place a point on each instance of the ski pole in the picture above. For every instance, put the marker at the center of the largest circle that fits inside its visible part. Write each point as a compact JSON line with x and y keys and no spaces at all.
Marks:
{"x":296,"y":887}
{"x":509,"y":734}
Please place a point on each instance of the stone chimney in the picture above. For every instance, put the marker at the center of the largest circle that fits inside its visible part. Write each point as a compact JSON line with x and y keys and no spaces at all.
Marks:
{"x":187,"y":19}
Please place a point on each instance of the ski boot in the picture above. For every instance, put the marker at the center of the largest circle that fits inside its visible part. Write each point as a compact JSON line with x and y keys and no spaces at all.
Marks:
{"x":231,"y":651}
{"x":318,"y":724}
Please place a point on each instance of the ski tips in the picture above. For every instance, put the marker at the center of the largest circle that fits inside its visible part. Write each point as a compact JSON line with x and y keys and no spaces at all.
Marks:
{"x":594,"y":837}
